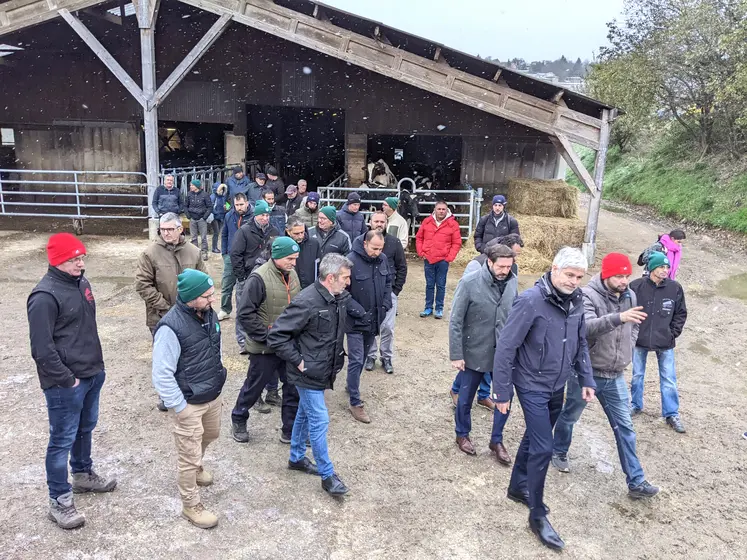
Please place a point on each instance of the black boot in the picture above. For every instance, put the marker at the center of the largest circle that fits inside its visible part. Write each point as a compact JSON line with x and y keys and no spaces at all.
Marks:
{"x":334,"y":486}
{"x":304,"y":465}
{"x":522,"y":498}
{"x":238,"y":430}
{"x":541,"y":527}
{"x":273,"y":398}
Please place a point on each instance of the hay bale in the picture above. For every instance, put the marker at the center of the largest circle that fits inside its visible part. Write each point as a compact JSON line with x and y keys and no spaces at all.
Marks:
{"x":547,"y":235}
{"x":531,"y":261}
{"x":541,"y":197}
{"x":467,"y":252}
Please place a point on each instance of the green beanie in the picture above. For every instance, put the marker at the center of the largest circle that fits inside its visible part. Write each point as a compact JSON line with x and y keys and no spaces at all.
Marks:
{"x":392,"y":201}
{"x":196,"y":183}
{"x":655,"y":260}
{"x":261,"y":208}
{"x":330,"y":212}
{"x":192,"y":283}
{"x":284,"y":246}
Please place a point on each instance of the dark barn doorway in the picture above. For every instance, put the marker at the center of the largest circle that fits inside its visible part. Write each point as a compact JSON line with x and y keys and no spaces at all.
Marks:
{"x":189,"y":144}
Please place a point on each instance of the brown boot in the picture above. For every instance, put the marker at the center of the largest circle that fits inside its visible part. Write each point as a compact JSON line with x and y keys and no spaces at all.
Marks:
{"x":465,"y":445}
{"x":199,"y":517}
{"x":486,"y":403}
{"x":500,"y":453}
{"x":360,"y":414}
{"x":204,"y":478}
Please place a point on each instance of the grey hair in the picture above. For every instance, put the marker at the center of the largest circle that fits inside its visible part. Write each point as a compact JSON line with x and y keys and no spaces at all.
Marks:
{"x":570,"y":257}
{"x":292,"y":222}
{"x":169,"y":218}
{"x":333,"y":263}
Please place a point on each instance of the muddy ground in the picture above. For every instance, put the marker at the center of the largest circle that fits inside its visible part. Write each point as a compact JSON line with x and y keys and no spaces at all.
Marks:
{"x":413,"y":494}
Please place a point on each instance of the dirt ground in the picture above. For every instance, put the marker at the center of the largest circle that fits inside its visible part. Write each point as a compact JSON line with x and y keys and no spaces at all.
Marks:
{"x":413,"y":494}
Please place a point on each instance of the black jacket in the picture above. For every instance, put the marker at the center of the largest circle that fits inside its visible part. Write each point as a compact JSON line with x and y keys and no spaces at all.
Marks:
{"x":666,"y":309}
{"x":352,"y":223}
{"x":199,"y":206}
{"x":247,"y":245}
{"x":397,"y":262}
{"x":278,"y":187}
{"x":336,"y":241}
{"x":62,"y":325}
{"x":311,"y":329}
{"x":308,"y":260}
{"x":165,"y":200}
{"x":492,"y":226}
{"x":292,"y":205}
{"x":370,"y":288}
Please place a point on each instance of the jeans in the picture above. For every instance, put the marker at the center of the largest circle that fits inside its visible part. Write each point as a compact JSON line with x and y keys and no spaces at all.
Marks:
{"x":670,"y":399}
{"x":263,"y":369}
{"x":358,"y":347}
{"x":483,"y":391}
{"x":470,"y":379}
{"x":240,"y":334}
{"x":201,"y":227}
{"x":435,"y":277}
{"x":312,"y":420}
{"x":386,"y":344}
{"x":226,"y":285}
{"x":541,"y":411}
{"x":217,"y":227}
{"x":613,"y":396}
{"x":73,"y":414}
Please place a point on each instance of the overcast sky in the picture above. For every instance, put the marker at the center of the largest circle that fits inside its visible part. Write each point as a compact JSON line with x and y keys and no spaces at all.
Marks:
{"x":504,"y":29}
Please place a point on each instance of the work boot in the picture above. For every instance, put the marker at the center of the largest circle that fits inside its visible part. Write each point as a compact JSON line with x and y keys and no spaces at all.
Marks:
{"x":642,"y":491}
{"x":91,"y":482}
{"x":304,"y":465}
{"x":262,"y":407}
{"x":560,"y":462}
{"x":222,"y":315}
{"x":204,"y":478}
{"x":62,"y":511}
{"x":426,"y":312}
{"x":387,"y":363}
{"x":370,"y":363}
{"x":160,"y":406}
{"x":439,"y":314}
{"x":238,"y":430}
{"x":676,"y":424}
{"x":360,"y":414}
{"x":334,"y":486}
{"x":199,"y":516}
{"x":273,"y":398}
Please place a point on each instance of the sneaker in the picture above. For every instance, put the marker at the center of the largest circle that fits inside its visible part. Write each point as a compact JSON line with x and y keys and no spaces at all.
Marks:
{"x":360,"y":414}
{"x":160,"y":406}
{"x":273,"y":398}
{"x":370,"y":363}
{"x":91,"y":482}
{"x":62,"y":511}
{"x":387,"y":364}
{"x":199,"y":516}
{"x":560,"y":462}
{"x":426,"y":313}
{"x":285,"y":438}
{"x":304,"y":465}
{"x":334,"y":486}
{"x":262,"y":407}
{"x":642,"y":491}
{"x":439,"y":314}
{"x":222,"y":315}
{"x":675,"y":423}
{"x":239,"y":433}
{"x":204,"y":478}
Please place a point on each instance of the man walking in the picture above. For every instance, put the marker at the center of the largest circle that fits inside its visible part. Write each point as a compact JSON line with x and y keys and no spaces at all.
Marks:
{"x":663,"y":301}
{"x":350,"y":218}
{"x":266,"y":294}
{"x":612,"y":318}
{"x":395,"y":254}
{"x":310,"y":255}
{"x":548,"y":317}
{"x":438,"y":241}
{"x":231,"y":224}
{"x":371,"y":291}
{"x":293,"y":201}
{"x":277,"y":212}
{"x":396,"y":224}
{"x":166,"y":198}
{"x":70,"y":363}
{"x":308,"y":336}
{"x":496,"y":224}
{"x":256,"y":188}
{"x":198,"y":209}
{"x":328,"y":233}
{"x":188,"y":374}
{"x":237,"y":183}
{"x":482,"y":302}
{"x":309,"y":211}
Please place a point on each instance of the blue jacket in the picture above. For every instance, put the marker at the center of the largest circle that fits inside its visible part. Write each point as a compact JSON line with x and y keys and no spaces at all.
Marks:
{"x":230,"y":227}
{"x":370,"y":288}
{"x":165,"y":200}
{"x":236,"y":186}
{"x":542,"y":342}
{"x":219,"y":202}
{"x":354,"y":224}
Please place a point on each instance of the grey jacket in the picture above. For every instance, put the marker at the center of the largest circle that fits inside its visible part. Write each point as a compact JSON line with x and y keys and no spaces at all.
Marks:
{"x":610,"y":340}
{"x":478,"y":314}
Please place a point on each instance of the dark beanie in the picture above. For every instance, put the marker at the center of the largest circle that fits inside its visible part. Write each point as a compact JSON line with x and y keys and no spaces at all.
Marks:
{"x":284,"y":246}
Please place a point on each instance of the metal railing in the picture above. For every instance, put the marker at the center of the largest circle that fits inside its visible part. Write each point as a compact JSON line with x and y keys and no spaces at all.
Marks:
{"x":208,"y":175}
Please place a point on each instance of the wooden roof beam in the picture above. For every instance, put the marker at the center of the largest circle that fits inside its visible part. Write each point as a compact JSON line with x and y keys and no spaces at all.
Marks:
{"x":20,"y":14}
{"x":558,"y":96}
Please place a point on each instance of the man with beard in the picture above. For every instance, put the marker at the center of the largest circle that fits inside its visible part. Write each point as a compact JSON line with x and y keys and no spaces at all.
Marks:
{"x":231,"y":225}
{"x":309,"y":211}
{"x":310,"y":255}
{"x":496,"y":224}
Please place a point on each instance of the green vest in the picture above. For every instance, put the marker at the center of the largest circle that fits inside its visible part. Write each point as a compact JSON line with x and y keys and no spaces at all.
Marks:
{"x":278,"y":295}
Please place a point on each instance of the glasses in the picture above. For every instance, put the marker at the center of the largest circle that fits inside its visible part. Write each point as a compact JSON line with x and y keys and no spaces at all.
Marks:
{"x":208,"y":297}
{"x":170,"y":230}
{"x":78,"y":260}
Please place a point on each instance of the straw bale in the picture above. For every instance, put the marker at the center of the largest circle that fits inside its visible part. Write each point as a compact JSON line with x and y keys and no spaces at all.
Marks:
{"x":541,"y":197}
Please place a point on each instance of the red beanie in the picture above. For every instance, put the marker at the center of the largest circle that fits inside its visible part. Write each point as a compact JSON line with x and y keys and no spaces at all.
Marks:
{"x":614,"y":264}
{"x":62,"y":247}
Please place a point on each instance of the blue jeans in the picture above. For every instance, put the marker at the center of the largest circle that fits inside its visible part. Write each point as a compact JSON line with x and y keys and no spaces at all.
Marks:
{"x":435,"y":277}
{"x":359,"y":344}
{"x":463,"y":417}
{"x":73,"y":413}
{"x":613,"y":396}
{"x":483,"y":391}
{"x":312,"y":420}
{"x":670,"y":399}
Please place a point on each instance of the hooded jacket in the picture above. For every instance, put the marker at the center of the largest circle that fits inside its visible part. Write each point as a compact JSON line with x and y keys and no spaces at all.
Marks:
{"x":674,"y":254}
{"x":665,"y":306}
{"x":248,"y":244}
{"x":542,"y":342}
{"x":492,"y":226}
{"x":308,"y":260}
{"x":309,"y":218}
{"x":352,"y":223}
{"x":219,"y":198}
{"x":439,"y":242}
{"x":610,"y":340}
{"x":165,"y":200}
{"x":370,"y":288}
{"x":334,"y":241}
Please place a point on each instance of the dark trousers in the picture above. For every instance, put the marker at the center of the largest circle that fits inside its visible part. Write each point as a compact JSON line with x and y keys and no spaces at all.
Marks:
{"x":470,"y":380}
{"x":541,"y":411}
{"x":289,"y":407}
{"x":359,"y":344}
{"x":73,"y":414}
{"x":217,"y":226}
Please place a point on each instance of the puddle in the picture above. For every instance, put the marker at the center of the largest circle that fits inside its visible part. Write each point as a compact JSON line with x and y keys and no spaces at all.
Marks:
{"x":734,"y":286}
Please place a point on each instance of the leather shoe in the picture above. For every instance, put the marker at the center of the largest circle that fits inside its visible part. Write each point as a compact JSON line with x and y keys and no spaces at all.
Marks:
{"x":465,"y":445}
{"x":360,"y":414}
{"x":304,"y":465}
{"x":522,"y":498}
{"x":334,"y":486}
{"x":541,"y":527}
{"x":500,"y":453}
{"x":486,"y":403}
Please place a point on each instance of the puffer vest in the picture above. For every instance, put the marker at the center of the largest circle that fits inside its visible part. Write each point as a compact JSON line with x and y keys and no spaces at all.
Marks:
{"x":199,"y":372}
{"x":278,"y":294}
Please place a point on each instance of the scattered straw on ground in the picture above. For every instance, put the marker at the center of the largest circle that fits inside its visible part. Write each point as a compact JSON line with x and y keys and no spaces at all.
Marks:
{"x":541,"y":197}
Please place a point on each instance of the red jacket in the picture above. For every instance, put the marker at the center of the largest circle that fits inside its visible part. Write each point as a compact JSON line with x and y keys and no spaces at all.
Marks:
{"x":438,"y":243}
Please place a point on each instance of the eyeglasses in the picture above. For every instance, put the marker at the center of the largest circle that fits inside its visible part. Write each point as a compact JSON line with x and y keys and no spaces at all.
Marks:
{"x":208,"y":297}
{"x":76,"y":260}
{"x":170,"y":230}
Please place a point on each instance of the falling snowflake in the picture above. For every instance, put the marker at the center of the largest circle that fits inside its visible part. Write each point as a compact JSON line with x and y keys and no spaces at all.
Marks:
{"x":441,"y":127}
{"x":306,"y":70}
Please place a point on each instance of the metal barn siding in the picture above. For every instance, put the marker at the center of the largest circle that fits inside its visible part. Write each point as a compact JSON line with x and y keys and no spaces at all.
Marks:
{"x":208,"y":102}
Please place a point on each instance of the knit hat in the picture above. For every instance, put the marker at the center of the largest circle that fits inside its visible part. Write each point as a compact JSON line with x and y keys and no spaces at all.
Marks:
{"x":261,"y":207}
{"x":499,"y":199}
{"x":260,"y":176}
{"x":330,"y":212}
{"x":284,"y":246}
{"x":614,"y":264}
{"x":291,"y":189}
{"x":392,"y":201}
{"x":354,"y":198}
{"x":312,"y":197}
{"x":238,"y":169}
{"x":270,"y":170}
{"x":196,"y":183}
{"x":62,"y":247}
{"x":191,"y":284}
{"x":655,"y":260}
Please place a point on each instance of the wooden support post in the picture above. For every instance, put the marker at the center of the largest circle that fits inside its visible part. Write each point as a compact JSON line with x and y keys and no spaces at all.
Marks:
{"x":150,"y":113}
{"x":565,"y":148}
{"x":592,"y":220}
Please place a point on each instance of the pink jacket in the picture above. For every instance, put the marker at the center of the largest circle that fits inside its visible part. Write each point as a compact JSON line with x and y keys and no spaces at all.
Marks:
{"x":674,"y":254}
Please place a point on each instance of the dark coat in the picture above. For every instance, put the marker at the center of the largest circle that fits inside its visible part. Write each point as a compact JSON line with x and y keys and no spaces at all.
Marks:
{"x":62,"y":325}
{"x":308,"y":260}
{"x":666,"y":309}
{"x":236,"y":186}
{"x":336,"y":241}
{"x":249,"y":243}
{"x":278,"y":187}
{"x":277,"y":217}
{"x":165,"y":200}
{"x":230,"y":226}
{"x":397,"y":261}
{"x":291,"y":205}
{"x":352,"y":223}
{"x":198,"y":206}
{"x":370,"y":288}
{"x":542,"y":343}
{"x":311,"y":329}
{"x":492,"y":226}
{"x":219,"y":202}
